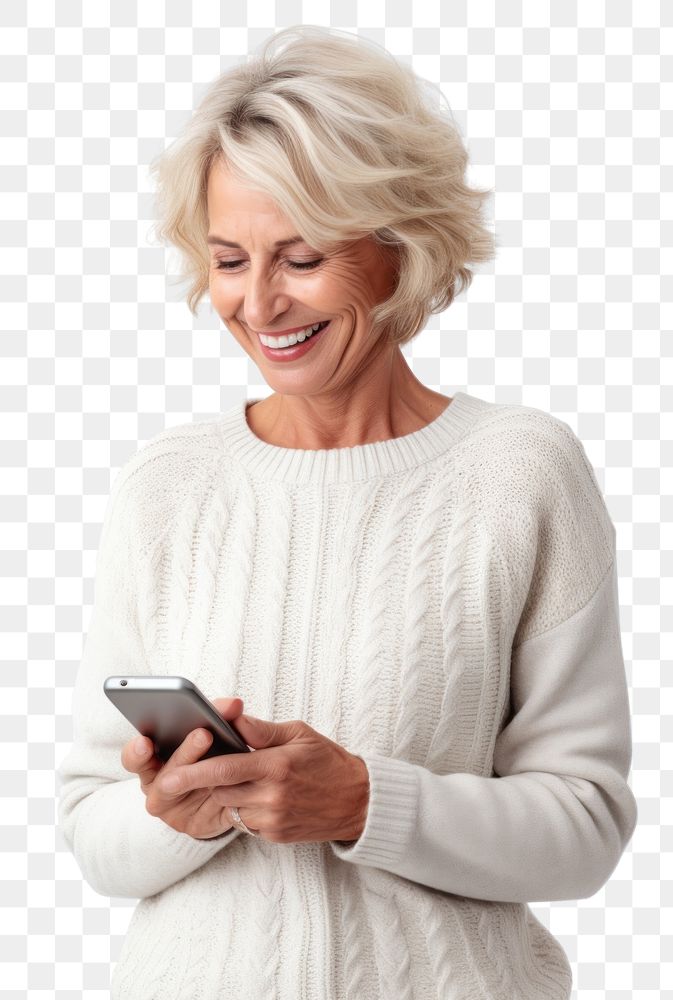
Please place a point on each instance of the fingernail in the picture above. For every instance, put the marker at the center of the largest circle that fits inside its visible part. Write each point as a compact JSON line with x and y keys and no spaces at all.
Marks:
{"x":139,"y":746}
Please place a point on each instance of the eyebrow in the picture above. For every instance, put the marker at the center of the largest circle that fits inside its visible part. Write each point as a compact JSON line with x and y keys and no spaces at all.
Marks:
{"x":278,"y":243}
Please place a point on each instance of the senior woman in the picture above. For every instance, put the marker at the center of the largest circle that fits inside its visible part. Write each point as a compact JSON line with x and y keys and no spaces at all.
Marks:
{"x":414,"y":595}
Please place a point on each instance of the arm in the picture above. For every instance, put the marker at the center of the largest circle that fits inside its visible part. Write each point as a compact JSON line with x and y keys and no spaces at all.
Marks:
{"x":555,"y":820}
{"x":120,"y":848}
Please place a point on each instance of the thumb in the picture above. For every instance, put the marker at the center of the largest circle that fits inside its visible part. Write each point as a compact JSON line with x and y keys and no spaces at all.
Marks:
{"x":228,"y":708}
{"x":260,"y":733}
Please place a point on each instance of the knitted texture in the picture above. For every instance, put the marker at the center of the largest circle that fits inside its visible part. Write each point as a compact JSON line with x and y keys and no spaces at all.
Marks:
{"x":444,"y":605}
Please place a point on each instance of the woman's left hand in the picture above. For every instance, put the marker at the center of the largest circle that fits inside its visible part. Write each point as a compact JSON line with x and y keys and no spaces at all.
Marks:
{"x":296,"y":786}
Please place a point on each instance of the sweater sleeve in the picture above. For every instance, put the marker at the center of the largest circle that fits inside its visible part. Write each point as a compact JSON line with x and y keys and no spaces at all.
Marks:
{"x":120,"y":848}
{"x":554,"y":819}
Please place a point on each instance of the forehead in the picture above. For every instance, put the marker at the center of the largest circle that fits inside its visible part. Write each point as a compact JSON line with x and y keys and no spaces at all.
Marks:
{"x":230,"y":198}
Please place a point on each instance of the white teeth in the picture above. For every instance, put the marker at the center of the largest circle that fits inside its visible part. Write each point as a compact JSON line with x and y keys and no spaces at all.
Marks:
{"x":290,"y":339}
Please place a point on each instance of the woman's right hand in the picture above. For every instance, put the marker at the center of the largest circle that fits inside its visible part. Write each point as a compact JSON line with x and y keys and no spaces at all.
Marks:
{"x":195,"y":812}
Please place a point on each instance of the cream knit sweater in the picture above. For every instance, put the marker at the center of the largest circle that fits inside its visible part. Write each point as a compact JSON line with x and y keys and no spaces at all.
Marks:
{"x":445,"y":606}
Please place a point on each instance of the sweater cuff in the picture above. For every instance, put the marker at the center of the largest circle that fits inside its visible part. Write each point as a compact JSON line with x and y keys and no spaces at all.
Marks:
{"x":391,"y":817}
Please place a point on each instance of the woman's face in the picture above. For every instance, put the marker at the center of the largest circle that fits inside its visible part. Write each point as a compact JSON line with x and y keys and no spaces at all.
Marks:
{"x":259,"y":287}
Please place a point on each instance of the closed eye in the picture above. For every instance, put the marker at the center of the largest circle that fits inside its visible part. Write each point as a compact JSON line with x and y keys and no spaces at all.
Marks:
{"x":229,"y":265}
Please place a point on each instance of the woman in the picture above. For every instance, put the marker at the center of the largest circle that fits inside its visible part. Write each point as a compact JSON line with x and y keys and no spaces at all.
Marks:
{"x":425,"y":586}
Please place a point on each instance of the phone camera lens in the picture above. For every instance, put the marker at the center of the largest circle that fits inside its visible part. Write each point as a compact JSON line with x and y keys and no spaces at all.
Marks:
{"x":123,"y":683}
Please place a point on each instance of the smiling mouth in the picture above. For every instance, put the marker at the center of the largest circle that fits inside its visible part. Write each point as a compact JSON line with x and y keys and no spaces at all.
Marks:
{"x":279,"y":342}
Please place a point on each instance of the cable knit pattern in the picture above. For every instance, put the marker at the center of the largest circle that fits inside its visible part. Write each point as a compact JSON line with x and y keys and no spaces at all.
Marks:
{"x":447,"y":726}
{"x":355,"y":951}
{"x":444,"y":605}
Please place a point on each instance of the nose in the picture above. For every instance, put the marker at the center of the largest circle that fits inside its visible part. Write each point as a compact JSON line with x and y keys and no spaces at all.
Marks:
{"x":264,"y":298}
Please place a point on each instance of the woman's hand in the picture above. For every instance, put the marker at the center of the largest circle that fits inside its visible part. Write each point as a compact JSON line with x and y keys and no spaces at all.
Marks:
{"x":195,"y":812}
{"x":296,"y":786}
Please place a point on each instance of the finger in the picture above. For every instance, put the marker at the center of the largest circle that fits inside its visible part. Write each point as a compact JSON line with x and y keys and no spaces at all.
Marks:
{"x":138,"y":754}
{"x":191,"y":749}
{"x":262,"y":733}
{"x":139,"y":758}
{"x":225,"y":769}
{"x":245,"y":794}
{"x":228,"y":708}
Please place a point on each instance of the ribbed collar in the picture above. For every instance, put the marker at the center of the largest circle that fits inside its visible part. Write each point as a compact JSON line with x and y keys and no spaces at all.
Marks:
{"x":346,"y":465}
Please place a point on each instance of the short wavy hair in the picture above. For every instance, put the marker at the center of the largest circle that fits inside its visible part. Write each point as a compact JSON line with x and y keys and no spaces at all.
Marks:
{"x":349,"y":143}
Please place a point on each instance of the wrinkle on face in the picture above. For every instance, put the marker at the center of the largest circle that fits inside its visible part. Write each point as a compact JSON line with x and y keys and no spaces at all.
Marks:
{"x":263,"y":291}
{"x":347,"y":389}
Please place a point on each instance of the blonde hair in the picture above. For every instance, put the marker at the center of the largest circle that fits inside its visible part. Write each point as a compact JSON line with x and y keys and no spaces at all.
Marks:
{"x":349,"y":143}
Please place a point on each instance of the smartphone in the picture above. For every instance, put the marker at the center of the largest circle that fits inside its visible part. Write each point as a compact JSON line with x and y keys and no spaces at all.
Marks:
{"x":167,"y":709}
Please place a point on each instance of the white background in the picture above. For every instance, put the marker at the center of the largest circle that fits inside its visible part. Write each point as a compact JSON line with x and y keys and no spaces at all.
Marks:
{"x":565,"y":116}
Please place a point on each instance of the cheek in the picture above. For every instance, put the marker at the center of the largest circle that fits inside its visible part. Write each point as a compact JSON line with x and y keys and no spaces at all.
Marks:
{"x":345,"y":286}
{"x":359,"y":296}
{"x":219,"y":297}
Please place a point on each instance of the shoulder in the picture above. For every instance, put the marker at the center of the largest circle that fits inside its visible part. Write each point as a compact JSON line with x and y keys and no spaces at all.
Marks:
{"x":522,"y":458}
{"x":170,"y":470}
{"x":527,"y":436}
{"x":528,"y":479}
{"x":182,"y":445}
